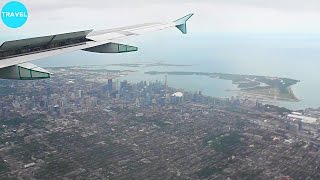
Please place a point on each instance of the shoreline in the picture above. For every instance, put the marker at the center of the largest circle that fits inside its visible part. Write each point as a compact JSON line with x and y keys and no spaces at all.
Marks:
{"x":275,"y":88}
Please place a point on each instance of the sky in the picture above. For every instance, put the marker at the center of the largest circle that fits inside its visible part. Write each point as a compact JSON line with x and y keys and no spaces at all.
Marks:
{"x":211,"y":16}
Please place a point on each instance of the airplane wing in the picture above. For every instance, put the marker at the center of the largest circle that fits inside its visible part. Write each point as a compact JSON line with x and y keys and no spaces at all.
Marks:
{"x":15,"y":55}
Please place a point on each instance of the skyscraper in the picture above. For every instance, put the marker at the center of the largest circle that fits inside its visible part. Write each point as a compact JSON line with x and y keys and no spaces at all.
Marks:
{"x":109,"y":86}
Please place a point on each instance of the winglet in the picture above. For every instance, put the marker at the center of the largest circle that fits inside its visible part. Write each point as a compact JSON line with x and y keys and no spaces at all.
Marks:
{"x":181,"y":23}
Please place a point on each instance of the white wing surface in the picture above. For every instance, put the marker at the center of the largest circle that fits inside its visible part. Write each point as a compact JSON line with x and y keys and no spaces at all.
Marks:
{"x":13,"y":54}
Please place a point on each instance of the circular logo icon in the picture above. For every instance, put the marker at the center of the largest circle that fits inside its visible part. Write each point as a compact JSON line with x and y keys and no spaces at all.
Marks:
{"x":14,"y":14}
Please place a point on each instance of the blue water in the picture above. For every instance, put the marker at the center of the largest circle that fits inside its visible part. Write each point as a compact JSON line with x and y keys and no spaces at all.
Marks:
{"x":294,"y":56}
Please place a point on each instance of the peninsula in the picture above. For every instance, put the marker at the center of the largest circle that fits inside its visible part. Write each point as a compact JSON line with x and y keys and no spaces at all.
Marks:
{"x":251,"y":85}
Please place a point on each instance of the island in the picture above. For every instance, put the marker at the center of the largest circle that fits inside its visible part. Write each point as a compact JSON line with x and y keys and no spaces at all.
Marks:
{"x":167,"y":65}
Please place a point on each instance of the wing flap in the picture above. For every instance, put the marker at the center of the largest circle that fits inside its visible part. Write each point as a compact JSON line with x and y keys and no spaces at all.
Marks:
{"x":112,"y":48}
{"x":30,"y":57}
{"x":25,"y":71}
{"x":38,"y":44}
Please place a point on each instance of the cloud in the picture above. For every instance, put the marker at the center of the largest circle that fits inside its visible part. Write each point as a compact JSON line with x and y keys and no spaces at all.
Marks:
{"x":211,"y":16}
{"x":294,"y":5}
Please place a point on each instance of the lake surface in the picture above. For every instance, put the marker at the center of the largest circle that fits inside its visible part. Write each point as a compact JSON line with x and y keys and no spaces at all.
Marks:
{"x":282,"y":55}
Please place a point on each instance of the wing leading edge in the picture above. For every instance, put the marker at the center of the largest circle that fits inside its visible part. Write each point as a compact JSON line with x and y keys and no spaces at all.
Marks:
{"x":15,"y":53}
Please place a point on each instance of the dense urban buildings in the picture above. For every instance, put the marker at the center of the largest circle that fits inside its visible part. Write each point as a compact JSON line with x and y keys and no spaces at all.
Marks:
{"x":76,"y":126}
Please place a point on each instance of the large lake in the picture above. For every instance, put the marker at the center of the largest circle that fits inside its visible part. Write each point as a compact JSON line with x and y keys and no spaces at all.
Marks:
{"x":293,"y":56}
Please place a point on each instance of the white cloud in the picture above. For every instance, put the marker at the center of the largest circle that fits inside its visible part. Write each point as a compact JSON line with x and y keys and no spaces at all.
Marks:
{"x":236,"y":16}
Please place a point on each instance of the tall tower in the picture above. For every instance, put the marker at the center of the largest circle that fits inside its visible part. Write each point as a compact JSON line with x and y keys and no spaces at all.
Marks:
{"x":166,"y":90}
{"x":166,"y":86}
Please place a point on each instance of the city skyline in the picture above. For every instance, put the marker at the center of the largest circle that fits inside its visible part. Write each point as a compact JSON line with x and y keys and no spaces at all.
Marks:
{"x":82,"y":127}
